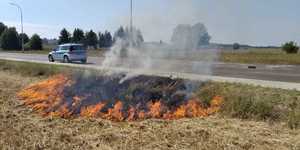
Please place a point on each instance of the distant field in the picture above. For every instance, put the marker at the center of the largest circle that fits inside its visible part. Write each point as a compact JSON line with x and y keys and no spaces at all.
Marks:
{"x":260,"y":56}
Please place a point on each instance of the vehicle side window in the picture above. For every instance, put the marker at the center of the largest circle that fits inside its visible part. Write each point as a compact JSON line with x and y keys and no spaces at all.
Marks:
{"x":64,"y":48}
{"x":77,"y":48}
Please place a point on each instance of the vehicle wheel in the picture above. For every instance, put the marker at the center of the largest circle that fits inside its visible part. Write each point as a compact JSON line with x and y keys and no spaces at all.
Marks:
{"x":83,"y":61}
{"x":50,"y":58}
{"x":66,"y":59}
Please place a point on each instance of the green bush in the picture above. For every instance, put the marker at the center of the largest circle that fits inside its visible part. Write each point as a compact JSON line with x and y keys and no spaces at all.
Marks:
{"x":290,"y":47}
{"x":236,"y":46}
{"x":36,"y":42}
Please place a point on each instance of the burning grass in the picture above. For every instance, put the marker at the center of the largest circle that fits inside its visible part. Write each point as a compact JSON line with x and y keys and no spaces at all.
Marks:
{"x":20,"y":128}
{"x":138,"y":98}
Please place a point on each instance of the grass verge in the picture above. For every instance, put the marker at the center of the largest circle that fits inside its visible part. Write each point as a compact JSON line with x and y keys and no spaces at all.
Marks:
{"x":31,"y":69}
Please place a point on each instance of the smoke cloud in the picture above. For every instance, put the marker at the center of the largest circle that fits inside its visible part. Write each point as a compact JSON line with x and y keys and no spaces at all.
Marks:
{"x":186,"y":53}
{"x":185,"y":50}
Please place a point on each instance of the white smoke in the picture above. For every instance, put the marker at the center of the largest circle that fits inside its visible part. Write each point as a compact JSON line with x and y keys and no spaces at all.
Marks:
{"x":184,"y":55}
{"x":189,"y":37}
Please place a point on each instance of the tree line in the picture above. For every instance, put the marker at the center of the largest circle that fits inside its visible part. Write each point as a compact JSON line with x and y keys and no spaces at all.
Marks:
{"x":100,"y":40}
{"x":89,"y":39}
{"x":10,"y":39}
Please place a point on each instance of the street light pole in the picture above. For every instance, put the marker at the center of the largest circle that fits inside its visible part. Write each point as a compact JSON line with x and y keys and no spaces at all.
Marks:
{"x":22,"y":30}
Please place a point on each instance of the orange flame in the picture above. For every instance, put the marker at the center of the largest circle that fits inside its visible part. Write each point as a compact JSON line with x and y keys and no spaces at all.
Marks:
{"x":46,"y":94}
{"x":115,"y":113}
{"x":155,"y":109}
{"x":47,"y":98}
{"x":92,"y":111}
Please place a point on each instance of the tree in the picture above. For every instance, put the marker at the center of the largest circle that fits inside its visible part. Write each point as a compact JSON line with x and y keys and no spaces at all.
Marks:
{"x":134,"y":37}
{"x":25,"y":38}
{"x":119,"y":34}
{"x":204,"y":39}
{"x":236,"y":46}
{"x":10,"y":39}
{"x":101,"y":41}
{"x":78,"y":36}
{"x":2,"y":28}
{"x":290,"y":47}
{"x":190,"y":37}
{"x":107,"y":39}
{"x":64,"y":37}
{"x":91,"y":39}
{"x":36,"y":42}
{"x":140,"y":36}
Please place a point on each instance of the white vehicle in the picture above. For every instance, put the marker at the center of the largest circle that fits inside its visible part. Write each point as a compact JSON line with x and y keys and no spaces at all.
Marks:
{"x":68,"y":53}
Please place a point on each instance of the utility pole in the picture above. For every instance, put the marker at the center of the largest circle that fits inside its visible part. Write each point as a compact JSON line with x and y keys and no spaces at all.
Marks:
{"x":131,"y":16}
{"x":131,"y":25}
{"x":22,"y":31}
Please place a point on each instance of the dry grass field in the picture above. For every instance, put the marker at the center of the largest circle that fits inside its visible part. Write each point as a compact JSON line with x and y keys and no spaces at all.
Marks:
{"x":21,"y":128}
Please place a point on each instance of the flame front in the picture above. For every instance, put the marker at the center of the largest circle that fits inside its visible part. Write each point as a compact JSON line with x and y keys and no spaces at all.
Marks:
{"x":49,"y":99}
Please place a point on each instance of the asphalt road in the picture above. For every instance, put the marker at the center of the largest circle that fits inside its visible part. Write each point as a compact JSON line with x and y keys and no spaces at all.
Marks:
{"x":284,"y":73}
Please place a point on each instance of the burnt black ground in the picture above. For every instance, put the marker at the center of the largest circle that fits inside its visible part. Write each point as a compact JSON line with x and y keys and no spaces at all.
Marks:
{"x":135,"y":92}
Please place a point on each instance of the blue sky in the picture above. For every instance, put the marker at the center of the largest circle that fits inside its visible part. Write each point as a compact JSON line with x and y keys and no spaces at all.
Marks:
{"x":256,"y":22}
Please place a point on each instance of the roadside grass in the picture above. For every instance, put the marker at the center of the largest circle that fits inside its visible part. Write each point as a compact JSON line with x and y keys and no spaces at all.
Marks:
{"x":260,"y":56}
{"x":255,"y":103}
{"x":31,"y":69}
{"x":45,"y":51}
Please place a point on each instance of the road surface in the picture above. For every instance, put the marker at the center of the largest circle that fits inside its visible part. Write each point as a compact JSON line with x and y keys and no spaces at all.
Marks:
{"x":282,"y":76}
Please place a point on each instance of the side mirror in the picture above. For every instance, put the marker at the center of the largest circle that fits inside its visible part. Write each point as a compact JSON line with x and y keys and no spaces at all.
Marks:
{"x":54,"y":50}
